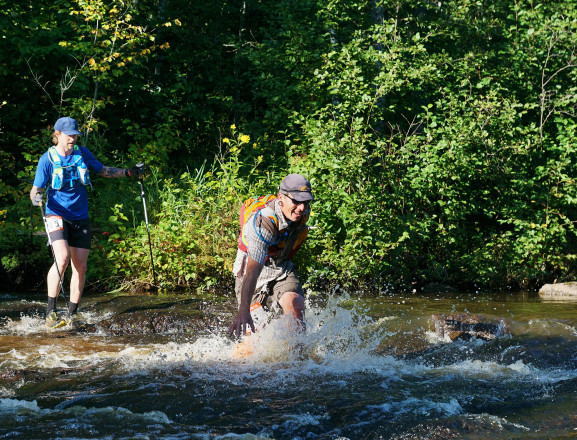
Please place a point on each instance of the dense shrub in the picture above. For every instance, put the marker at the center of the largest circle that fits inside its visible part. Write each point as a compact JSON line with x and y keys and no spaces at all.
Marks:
{"x":439,"y":137}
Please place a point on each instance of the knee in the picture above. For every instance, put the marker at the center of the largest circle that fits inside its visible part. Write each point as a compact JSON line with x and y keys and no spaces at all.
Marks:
{"x":299,"y":303}
{"x":79,"y":261}
{"x":80,"y":267}
{"x":292,"y":302}
{"x":63,"y":261}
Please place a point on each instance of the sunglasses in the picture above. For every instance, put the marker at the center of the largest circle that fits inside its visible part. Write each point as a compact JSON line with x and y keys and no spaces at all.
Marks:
{"x":296,"y":202}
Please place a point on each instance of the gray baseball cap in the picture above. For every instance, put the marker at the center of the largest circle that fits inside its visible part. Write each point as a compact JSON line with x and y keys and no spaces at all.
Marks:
{"x":297,"y":187}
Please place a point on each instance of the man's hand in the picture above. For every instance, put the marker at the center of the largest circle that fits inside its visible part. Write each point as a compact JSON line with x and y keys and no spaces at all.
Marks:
{"x":243,"y":318}
{"x":239,"y":324}
{"x":137,"y":172}
{"x":37,"y":199}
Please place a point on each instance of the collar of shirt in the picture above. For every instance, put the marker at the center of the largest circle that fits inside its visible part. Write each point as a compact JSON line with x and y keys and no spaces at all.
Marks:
{"x":283,"y":223}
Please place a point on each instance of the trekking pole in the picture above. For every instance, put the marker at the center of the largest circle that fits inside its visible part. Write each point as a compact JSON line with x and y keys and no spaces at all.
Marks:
{"x":54,"y":256}
{"x":140,"y":166}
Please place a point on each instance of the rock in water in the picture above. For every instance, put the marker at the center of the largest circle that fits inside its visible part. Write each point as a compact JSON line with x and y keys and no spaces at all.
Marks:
{"x":559,"y":291}
{"x":465,"y":326}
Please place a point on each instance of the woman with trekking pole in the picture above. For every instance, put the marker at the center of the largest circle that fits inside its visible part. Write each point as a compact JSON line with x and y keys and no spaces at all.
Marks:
{"x":64,"y":172}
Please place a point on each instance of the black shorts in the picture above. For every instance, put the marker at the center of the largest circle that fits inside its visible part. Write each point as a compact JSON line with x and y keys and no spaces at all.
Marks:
{"x":75,"y":232}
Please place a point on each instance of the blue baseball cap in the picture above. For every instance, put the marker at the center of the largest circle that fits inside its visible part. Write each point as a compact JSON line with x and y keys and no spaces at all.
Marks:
{"x":67,"y":126}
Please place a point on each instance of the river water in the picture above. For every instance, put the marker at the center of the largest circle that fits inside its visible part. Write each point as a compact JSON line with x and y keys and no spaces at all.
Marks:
{"x":369,"y":367}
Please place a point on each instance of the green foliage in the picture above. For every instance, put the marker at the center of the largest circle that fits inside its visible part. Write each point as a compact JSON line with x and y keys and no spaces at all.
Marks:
{"x":194,"y":231}
{"x":19,"y":266}
{"x":443,"y":195}
{"x":439,"y":138}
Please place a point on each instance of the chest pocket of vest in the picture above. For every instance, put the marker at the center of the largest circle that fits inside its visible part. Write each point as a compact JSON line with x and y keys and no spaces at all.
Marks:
{"x":289,"y":244}
{"x":76,"y":171}
{"x":57,"y":178}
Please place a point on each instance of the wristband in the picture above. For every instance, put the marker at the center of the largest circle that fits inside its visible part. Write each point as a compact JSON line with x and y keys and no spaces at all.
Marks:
{"x":127,"y":173}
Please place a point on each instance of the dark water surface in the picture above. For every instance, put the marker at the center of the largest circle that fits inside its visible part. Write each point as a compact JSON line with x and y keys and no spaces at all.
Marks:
{"x":371,"y":367}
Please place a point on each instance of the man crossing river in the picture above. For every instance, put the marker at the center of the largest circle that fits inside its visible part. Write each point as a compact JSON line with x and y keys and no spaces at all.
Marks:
{"x":272,"y":230}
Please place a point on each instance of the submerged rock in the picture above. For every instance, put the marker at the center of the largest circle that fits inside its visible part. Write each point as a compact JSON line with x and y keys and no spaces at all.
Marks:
{"x":149,"y":315}
{"x":559,"y":291}
{"x":154,"y":322}
{"x":466,"y":326}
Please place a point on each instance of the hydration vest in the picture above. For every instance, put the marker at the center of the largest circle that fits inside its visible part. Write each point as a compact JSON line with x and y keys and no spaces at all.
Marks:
{"x":289,"y":240}
{"x":78,"y":169}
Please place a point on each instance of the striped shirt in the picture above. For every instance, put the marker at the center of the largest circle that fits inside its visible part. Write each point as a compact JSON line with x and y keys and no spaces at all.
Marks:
{"x":259,"y":234}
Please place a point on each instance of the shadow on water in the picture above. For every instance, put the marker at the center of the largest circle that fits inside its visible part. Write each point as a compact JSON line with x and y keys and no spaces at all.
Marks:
{"x":440,"y":366}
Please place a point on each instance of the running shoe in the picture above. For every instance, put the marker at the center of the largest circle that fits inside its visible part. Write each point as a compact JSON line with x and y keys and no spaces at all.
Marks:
{"x":74,"y":321}
{"x":54,"y":321}
{"x":71,"y":320}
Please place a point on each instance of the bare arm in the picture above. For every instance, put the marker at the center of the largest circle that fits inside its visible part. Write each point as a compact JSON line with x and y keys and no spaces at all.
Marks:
{"x":243,"y":318}
{"x":113,"y":172}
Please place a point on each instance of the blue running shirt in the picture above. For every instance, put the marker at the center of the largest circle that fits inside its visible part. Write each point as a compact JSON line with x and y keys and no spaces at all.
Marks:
{"x":69,"y":202}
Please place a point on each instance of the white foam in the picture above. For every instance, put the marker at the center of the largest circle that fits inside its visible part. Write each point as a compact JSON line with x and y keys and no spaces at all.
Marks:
{"x":424,"y":407}
{"x":17,"y":406}
{"x":515,"y":371}
{"x":34,"y":324}
{"x":204,"y":349}
{"x":121,"y":414}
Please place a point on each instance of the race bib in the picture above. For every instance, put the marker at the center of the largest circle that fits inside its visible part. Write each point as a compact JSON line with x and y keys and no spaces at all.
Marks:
{"x":54,"y":224}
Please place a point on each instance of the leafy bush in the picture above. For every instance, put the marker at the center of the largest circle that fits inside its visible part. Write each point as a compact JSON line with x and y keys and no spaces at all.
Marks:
{"x":193,"y":226}
{"x":439,"y":137}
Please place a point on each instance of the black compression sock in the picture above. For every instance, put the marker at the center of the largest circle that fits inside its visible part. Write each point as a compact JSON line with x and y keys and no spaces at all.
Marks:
{"x":51,"y":307}
{"x":72,"y":308}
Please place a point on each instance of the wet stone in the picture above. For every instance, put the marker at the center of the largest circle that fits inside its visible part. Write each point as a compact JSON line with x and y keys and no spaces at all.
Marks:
{"x":467,"y":326}
{"x":559,"y":291}
{"x":18,"y":374}
{"x":133,"y":315}
{"x":152,"y":322}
